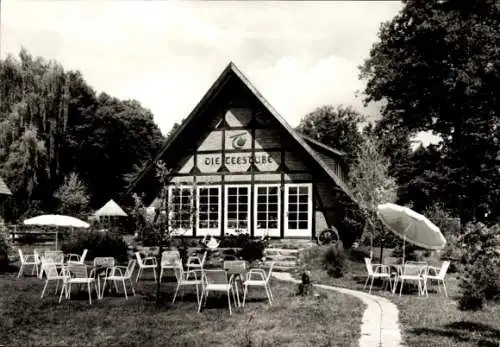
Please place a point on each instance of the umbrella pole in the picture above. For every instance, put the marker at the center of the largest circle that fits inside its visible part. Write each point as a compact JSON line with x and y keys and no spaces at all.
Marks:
{"x":404,"y":245}
{"x":371,"y":246}
{"x":56,"y":239}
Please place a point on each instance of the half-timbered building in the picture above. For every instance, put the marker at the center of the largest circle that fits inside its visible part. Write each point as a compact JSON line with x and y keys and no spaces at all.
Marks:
{"x":246,"y":169}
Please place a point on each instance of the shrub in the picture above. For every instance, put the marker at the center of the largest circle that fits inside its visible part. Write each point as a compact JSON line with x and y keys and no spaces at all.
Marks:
{"x":98,"y":244}
{"x":448,"y":225}
{"x":148,"y":237}
{"x":250,"y":248}
{"x":235,"y":241}
{"x":453,"y":252}
{"x":481,"y":280}
{"x":4,"y":253}
{"x":411,"y":252}
{"x":358,"y":254}
{"x":312,"y":258}
{"x":335,"y":260}
{"x":182,"y":244}
{"x":451,"y":229}
{"x":253,"y":249}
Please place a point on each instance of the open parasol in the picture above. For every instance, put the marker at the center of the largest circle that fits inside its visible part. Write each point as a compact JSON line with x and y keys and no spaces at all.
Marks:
{"x":411,"y":226}
{"x":110,"y":209}
{"x":56,"y":220}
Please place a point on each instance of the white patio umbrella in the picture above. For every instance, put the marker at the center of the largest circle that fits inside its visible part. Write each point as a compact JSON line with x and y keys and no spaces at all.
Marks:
{"x":411,"y":226}
{"x":56,"y":220}
{"x":110,"y":209}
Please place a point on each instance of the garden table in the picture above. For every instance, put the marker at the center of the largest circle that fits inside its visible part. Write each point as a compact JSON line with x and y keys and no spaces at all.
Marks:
{"x":417,"y":268}
{"x":99,"y":270}
{"x":237,"y":270}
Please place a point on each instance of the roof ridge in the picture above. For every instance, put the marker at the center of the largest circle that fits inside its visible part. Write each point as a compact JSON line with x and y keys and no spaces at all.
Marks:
{"x":232,"y":67}
{"x":321,"y":144}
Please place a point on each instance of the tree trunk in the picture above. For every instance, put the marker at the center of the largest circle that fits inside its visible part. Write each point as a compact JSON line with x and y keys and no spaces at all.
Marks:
{"x":158,"y":271}
{"x":382,"y":241}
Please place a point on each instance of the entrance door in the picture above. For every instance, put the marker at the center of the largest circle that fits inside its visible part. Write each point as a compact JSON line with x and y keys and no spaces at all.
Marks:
{"x":267,"y":210}
{"x":298,"y":210}
{"x":237,"y":209}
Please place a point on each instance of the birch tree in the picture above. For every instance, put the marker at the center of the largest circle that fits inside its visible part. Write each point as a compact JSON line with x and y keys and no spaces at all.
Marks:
{"x":371,"y":185}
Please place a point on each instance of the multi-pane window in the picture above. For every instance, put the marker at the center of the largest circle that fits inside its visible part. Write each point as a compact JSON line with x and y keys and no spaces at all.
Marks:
{"x":237,"y":208}
{"x":267,"y":207}
{"x":208,"y":207}
{"x":298,"y":207}
{"x":181,"y":207}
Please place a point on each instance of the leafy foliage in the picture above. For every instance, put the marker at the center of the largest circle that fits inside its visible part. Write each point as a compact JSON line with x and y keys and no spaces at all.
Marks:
{"x":336,"y":127}
{"x":98,"y":244}
{"x":72,"y":196}
{"x":371,"y":183}
{"x":451,"y":229}
{"x":481,"y":281}
{"x":253,"y":249}
{"x":250,"y":248}
{"x":436,"y":68}
{"x":52,"y":124}
{"x":335,"y":260}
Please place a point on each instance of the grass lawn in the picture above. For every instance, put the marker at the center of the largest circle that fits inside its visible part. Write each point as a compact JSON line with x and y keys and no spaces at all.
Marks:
{"x":333,"y":319}
{"x":430,"y":321}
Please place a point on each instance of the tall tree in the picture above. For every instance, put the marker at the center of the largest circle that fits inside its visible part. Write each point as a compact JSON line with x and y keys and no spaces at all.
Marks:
{"x":337,"y":127}
{"x":424,"y":177}
{"x":52,"y":124}
{"x":437,"y":67}
{"x":371,"y":184}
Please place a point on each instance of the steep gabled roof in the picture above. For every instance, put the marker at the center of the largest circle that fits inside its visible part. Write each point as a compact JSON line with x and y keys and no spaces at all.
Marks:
{"x":3,"y":188}
{"x":314,"y":142}
{"x":231,"y":69}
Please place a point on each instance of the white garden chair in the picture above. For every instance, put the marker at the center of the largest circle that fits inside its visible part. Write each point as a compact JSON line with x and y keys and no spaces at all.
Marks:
{"x":77,"y":274}
{"x":170,"y":260}
{"x":183,"y":281}
{"x":195,"y":263}
{"x":216,"y":281}
{"x":145,"y":263}
{"x":51,"y":257}
{"x":438,"y":274}
{"x":120,"y":273}
{"x":377,"y":271}
{"x":413,"y":272}
{"x":52,"y":274}
{"x":77,"y":258}
{"x":27,"y":260}
{"x":259,"y":278}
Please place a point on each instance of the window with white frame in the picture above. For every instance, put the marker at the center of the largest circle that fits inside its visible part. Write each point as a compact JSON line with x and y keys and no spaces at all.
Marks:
{"x":267,"y":211}
{"x":181,"y":207}
{"x":209,"y":209}
{"x":237,"y":207}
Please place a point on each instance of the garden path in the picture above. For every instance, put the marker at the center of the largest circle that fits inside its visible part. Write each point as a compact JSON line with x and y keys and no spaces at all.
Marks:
{"x":380,"y":325}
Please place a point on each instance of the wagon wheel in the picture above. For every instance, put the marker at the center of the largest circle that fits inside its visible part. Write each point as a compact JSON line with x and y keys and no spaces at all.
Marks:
{"x":328,"y":236}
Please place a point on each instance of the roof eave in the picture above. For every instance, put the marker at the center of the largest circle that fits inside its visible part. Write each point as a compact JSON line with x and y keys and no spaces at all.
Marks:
{"x":206,"y":98}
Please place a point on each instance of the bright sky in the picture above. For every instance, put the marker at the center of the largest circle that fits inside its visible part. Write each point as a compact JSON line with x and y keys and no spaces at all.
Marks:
{"x":166,"y":54}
